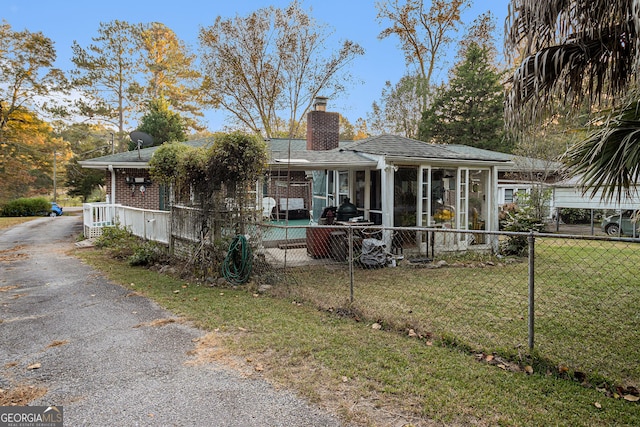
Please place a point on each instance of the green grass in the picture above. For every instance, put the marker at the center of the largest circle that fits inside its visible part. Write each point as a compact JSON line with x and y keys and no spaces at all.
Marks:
{"x":587,"y":296}
{"x":378,"y":377}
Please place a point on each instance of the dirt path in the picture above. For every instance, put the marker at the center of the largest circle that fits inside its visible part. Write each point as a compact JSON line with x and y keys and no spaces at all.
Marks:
{"x":109,"y":357}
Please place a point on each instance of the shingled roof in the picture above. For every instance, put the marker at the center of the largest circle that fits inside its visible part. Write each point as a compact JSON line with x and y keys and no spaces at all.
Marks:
{"x":395,"y":146}
{"x":293,"y":153}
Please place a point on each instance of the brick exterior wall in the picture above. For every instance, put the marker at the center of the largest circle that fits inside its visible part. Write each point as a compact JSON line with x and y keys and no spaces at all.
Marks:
{"x":323,"y":130}
{"x":130,"y":194}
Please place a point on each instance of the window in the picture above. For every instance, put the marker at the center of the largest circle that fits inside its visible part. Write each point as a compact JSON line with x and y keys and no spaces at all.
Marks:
{"x":343,"y":186}
{"x":508,"y":195}
{"x":375,"y":190}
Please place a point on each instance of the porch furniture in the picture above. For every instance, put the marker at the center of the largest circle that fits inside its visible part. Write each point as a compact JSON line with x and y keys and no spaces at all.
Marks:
{"x":268,"y":205}
{"x":292,"y":208}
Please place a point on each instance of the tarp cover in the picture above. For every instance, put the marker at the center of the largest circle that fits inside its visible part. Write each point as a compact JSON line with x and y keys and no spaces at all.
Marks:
{"x":374,"y":253}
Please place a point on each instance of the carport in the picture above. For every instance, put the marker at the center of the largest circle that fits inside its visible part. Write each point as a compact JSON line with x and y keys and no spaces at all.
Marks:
{"x":569,"y":194}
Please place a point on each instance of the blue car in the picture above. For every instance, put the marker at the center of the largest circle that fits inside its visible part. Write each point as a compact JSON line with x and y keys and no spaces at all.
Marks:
{"x":56,"y":210}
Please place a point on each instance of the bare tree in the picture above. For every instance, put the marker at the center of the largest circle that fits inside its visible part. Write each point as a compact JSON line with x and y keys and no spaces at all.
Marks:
{"x":423,"y":33}
{"x":272,"y":60}
{"x":400,"y":108}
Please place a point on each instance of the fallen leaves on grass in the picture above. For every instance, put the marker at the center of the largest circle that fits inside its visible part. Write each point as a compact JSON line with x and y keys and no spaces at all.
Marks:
{"x":500,"y":362}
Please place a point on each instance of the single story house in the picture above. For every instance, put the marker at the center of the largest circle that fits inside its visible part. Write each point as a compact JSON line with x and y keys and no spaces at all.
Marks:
{"x":391,"y":180}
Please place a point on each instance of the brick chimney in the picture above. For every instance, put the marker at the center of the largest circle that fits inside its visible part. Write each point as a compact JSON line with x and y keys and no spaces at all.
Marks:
{"x":323,"y":128}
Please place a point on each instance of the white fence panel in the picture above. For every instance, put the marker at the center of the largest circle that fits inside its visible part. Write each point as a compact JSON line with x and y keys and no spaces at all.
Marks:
{"x":149,"y":224}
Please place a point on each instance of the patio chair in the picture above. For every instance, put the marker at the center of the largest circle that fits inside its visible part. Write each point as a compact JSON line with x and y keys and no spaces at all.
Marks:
{"x":268,"y":203}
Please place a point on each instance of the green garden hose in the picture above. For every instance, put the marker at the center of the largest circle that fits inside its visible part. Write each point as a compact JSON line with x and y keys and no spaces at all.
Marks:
{"x":237,"y":265}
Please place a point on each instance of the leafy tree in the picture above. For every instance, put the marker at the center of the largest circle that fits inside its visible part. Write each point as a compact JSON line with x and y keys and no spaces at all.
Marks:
{"x":170,"y":72}
{"x":161,"y":123}
{"x":237,"y":158}
{"x":470,"y":109}
{"x":165,"y":162}
{"x":423,"y":33}
{"x":576,"y":53}
{"x":347,"y":131}
{"x":27,"y":74}
{"x":270,"y":61}
{"x":85,"y":140}
{"x":82,"y":182}
{"x":27,"y":156}
{"x":107,"y":72}
{"x":362,"y":132}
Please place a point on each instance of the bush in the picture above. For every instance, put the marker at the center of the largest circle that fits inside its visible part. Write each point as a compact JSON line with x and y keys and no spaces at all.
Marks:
{"x":26,"y":207}
{"x":523,"y":218}
{"x":578,"y":216}
{"x":119,"y":241}
{"x":124,"y":245}
{"x":147,"y":253}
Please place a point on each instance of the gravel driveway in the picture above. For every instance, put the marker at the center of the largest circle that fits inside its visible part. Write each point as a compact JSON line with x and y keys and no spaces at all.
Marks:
{"x":92,"y":347}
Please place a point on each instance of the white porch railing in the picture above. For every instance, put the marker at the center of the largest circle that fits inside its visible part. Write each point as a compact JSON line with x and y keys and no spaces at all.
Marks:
{"x":148,"y":224}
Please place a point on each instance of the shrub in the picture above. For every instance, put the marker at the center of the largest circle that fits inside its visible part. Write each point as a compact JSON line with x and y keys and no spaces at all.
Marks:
{"x":119,"y":241}
{"x":27,"y":207}
{"x":522,"y":219}
{"x":124,"y":245}
{"x":578,"y":216}
{"x":147,"y":253}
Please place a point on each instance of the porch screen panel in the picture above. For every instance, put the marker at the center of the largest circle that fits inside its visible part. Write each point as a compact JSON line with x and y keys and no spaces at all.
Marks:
{"x":425,"y":200}
{"x":478,"y":198}
{"x":360,"y":192}
{"x":464,"y":201}
{"x":405,"y":198}
{"x":375,"y":196}
{"x":319,"y":190}
{"x":343,"y":186}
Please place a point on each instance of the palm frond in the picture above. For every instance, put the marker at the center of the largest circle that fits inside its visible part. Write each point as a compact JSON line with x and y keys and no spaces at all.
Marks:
{"x":610,"y":158}
{"x":573,"y":50}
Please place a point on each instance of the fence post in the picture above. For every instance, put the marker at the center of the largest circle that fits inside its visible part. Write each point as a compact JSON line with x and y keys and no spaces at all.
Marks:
{"x":531,"y":239}
{"x":350,"y":241}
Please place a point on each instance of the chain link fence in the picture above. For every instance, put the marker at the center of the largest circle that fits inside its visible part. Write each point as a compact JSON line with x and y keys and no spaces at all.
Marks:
{"x":567,"y":305}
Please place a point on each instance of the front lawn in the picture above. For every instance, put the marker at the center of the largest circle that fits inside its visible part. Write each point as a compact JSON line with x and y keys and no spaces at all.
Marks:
{"x":417,"y":344}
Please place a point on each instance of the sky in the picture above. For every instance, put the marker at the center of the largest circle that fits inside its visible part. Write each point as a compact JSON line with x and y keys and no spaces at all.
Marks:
{"x":66,"y":21}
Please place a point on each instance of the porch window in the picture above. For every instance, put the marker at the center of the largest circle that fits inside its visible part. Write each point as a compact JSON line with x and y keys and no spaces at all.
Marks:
{"x":375,"y":196}
{"x":443,"y":196}
{"x":343,"y":186}
{"x":405,"y":198}
{"x":360,"y":193}
{"x":425,"y":197}
{"x":508,"y":195}
{"x":331,"y":190}
{"x":478,"y":202}
{"x":319,"y":194}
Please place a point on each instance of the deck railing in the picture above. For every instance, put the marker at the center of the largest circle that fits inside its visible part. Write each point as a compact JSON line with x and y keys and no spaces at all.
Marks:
{"x":148,"y":224}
